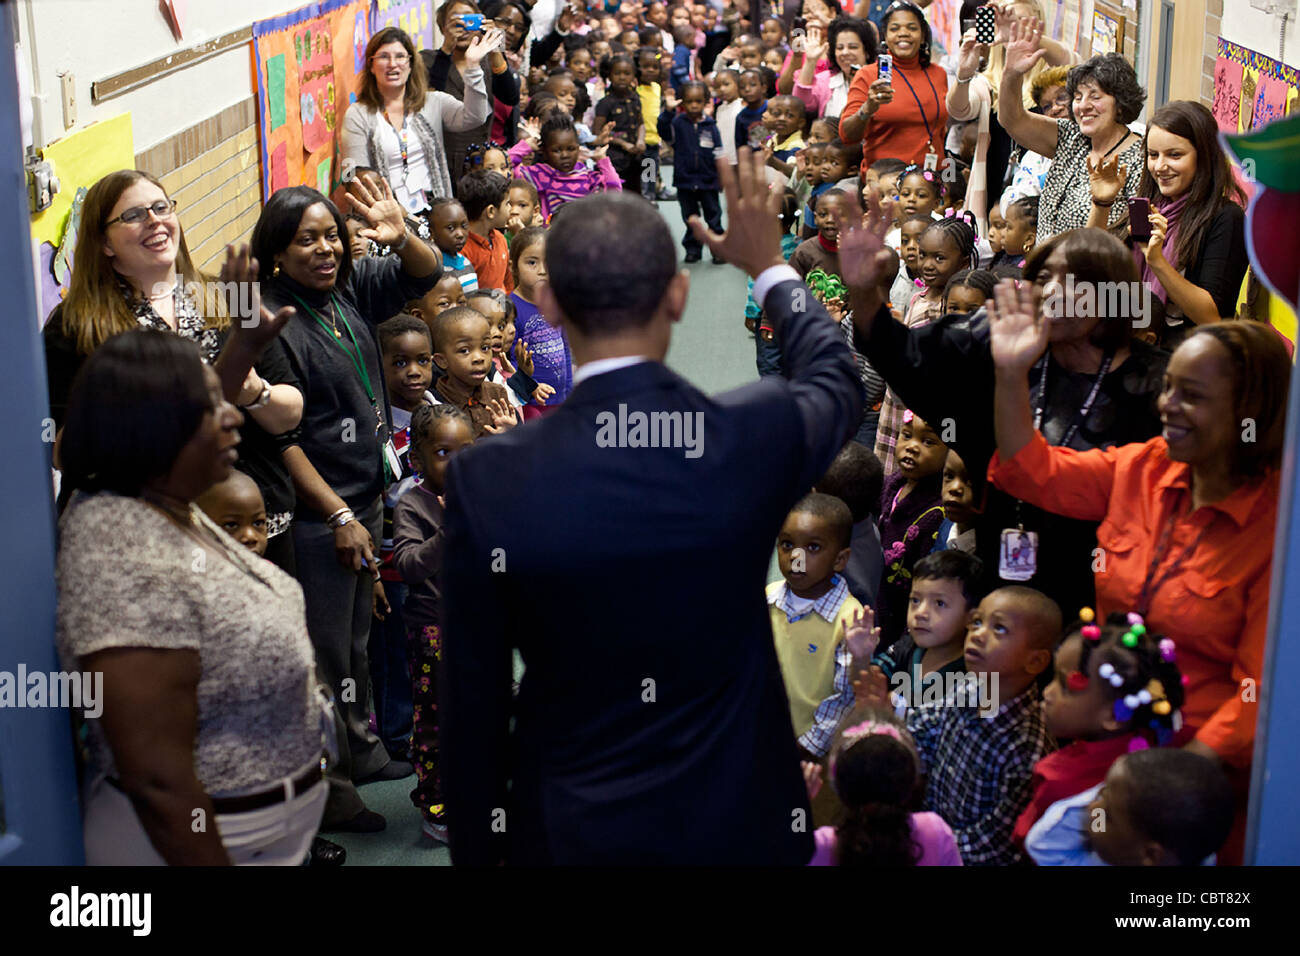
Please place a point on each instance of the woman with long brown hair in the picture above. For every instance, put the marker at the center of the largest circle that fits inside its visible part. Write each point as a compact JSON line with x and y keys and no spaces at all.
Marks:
{"x":132,"y":269}
{"x":396,"y":125}
{"x":1195,"y":261}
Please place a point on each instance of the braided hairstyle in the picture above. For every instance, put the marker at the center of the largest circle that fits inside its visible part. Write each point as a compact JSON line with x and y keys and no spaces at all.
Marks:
{"x":963,"y":236}
{"x":875,"y":772}
{"x":1138,"y":669}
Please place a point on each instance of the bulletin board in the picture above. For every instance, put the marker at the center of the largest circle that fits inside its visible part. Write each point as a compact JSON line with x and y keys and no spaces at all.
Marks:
{"x":307,"y":62}
{"x":413,"y":16}
{"x":1251,"y":89}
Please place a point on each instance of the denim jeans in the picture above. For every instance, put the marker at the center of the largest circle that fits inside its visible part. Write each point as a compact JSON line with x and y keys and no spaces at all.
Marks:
{"x":390,"y":681}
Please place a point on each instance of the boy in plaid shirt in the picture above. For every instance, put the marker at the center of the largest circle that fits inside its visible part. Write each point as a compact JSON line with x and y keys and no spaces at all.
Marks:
{"x":979,"y":763}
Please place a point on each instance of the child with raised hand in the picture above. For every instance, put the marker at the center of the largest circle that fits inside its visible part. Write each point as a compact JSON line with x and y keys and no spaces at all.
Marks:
{"x":497,"y":307}
{"x":1116,"y":689}
{"x":483,"y":196}
{"x":560,"y":176}
{"x":622,"y":107}
{"x":694,"y":138}
{"x":910,"y":515}
{"x":946,"y":587}
{"x":546,"y":345}
{"x":979,"y":755}
{"x":449,"y":228}
{"x":957,"y":532}
{"x":811,"y":611}
{"x":856,"y":479}
{"x":875,"y":772}
{"x":462,"y":344}
{"x":946,"y":247}
{"x":437,"y":433}
{"x":786,"y":117}
{"x":523,"y":208}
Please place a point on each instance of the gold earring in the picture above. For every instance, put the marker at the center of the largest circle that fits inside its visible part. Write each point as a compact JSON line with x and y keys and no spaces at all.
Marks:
{"x":276,"y":271}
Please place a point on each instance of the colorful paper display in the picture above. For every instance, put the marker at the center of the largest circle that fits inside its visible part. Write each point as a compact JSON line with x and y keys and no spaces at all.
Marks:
{"x":308,"y":63}
{"x":1251,"y":89}
{"x":413,"y":16}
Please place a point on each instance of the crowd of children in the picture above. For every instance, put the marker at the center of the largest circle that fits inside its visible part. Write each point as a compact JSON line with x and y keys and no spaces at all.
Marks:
{"x":881,"y":610}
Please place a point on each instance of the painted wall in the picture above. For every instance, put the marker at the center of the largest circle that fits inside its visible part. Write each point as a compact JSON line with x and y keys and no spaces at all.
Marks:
{"x":96,"y":39}
{"x":1258,"y":31}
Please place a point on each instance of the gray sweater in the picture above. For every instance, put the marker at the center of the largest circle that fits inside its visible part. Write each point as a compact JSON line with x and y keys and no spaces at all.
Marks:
{"x":417,"y":553}
{"x":359,"y":139}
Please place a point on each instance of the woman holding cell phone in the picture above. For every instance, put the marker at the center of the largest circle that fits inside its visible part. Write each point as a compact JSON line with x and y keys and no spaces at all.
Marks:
{"x":896,"y":106}
{"x":1187,"y":222}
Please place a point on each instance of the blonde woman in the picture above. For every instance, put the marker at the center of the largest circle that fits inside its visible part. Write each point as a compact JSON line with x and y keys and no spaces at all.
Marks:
{"x":974,"y":97}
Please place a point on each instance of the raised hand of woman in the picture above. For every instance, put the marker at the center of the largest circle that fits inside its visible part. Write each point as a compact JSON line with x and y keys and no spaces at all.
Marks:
{"x":251,"y":322}
{"x":1017,"y":335}
{"x":1024,"y":46}
{"x":384,"y":213}
{"x":484,"y":43}
{"x":1106,"y":178}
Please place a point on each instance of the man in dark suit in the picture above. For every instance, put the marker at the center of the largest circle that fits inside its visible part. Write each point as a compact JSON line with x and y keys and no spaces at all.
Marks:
{"x":621,"y":543}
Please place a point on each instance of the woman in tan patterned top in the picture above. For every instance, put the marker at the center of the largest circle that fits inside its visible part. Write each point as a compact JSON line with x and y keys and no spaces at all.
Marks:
{"x":207,"y":749}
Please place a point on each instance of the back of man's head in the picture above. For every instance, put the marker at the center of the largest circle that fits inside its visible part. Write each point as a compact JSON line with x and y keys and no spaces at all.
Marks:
{"x":609,"y":259}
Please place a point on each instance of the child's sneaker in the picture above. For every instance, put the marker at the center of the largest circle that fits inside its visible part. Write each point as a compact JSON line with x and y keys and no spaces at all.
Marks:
{"x":435,"y":831}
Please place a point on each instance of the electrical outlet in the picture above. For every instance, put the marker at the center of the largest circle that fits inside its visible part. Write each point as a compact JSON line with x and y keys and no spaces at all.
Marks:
{"x":68,"y":87}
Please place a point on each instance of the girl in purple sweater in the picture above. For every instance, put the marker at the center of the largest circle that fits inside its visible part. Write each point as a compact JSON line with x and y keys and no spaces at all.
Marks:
{"x":552,"y":358}
{"x":560,"y":176}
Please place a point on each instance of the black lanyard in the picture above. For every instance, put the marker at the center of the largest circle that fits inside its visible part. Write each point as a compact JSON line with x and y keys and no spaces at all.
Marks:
{"x":1087,"y":403}
{"x":929,"y":136}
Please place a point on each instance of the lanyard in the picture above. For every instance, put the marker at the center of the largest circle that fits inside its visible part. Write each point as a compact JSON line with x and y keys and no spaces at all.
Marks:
{"x":1152,"y":583}
{"x":1087,"y":403}
{"x":929,"y":136}
{"x":353,"y":353}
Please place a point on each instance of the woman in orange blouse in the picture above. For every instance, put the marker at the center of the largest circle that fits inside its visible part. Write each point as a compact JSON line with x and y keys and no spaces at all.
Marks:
{"x":908,"y":118}
{"x":1187,"y":518}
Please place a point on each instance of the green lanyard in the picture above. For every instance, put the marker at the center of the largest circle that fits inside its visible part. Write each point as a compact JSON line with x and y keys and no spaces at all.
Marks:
{"x":354,"y":354}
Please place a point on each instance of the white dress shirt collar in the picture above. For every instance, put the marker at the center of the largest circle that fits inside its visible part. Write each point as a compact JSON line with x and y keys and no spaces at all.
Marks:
{"x":601,"y":366}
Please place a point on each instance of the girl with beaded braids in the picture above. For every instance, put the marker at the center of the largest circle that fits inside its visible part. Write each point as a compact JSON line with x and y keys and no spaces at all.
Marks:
{"x":875,"y":772}
{"x":1117,"y":689}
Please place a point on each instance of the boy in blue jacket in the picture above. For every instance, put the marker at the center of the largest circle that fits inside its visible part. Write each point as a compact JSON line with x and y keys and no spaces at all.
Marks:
{"x":695,"y":140}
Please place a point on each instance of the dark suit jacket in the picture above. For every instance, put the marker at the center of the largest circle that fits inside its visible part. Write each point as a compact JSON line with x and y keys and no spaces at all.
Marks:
{"x":652,"y":725}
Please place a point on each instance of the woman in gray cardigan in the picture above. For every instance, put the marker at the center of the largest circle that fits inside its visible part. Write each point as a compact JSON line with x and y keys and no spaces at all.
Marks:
{"x":396,"y":124}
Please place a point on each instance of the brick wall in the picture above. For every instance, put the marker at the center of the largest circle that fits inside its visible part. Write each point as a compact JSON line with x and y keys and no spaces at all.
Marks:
{"x":211,"y":170}
{"x":1210,"y":51}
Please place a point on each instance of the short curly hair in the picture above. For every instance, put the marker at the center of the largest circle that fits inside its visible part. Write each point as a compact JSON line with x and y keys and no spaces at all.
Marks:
{"x":1113,"y":74}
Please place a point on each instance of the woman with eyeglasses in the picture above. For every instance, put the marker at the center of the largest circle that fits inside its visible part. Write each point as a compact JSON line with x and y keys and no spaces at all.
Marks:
{"x":133,"y":269}
{"x":905,"y":116}
{"x":397,"y":125}
{"x":1094,"y":143}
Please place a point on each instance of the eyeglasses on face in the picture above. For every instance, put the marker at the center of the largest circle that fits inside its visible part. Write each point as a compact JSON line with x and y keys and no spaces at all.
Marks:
{"x":162,"y":209}
{"x":398,"y":58}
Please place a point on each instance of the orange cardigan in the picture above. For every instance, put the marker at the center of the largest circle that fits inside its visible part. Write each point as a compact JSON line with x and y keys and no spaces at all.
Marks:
{"x":897,"y":130}
{"x":1214,"y":606}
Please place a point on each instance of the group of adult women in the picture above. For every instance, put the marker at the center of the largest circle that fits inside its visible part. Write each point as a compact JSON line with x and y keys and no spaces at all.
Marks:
{"x":1097,"y":437}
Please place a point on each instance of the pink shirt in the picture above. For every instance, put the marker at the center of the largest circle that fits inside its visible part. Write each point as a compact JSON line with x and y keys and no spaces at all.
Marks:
{"x":932,"y":834}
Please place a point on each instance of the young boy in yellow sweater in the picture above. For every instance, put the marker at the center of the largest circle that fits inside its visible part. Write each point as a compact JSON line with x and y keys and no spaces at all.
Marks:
{"x":810,"y":612}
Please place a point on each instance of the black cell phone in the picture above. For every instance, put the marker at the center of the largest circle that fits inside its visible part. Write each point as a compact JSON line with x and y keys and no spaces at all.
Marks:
{"x":985,"y":24}
{"x":1139,"y":219}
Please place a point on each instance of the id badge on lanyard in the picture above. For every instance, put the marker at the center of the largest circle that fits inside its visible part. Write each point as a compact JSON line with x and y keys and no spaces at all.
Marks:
{"x":931,"y":159}
{"x":1018,"y":555}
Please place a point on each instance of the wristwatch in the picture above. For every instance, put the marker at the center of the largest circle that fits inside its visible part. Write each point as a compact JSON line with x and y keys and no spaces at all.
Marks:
{"x":264,"y":397}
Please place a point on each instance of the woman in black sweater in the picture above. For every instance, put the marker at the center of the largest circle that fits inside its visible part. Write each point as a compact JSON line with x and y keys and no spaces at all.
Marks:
{"x":1196,"y":259}
{"x":340,"y":461}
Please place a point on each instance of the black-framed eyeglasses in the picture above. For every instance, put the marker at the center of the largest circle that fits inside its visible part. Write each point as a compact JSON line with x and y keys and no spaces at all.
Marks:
{"x":163,"y":209}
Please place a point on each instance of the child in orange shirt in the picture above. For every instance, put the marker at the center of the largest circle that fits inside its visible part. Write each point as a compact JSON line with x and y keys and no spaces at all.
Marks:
{"x":483,"y":196}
